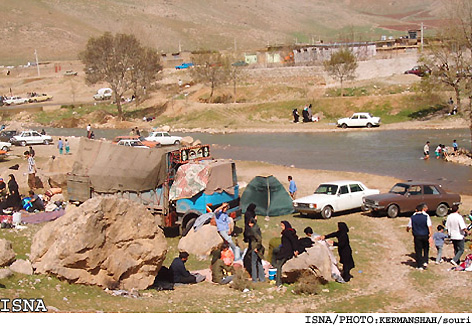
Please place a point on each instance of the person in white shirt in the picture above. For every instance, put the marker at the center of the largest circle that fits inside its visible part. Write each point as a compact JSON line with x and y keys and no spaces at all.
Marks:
{"x":457,"y":230}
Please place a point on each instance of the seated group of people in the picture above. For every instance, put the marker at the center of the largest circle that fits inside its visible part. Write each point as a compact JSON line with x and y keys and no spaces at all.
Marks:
{"x":11,"y":198}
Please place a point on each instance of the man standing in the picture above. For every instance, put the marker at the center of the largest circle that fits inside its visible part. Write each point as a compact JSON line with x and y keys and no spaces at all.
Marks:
{"x":457,"y":229}
{"x":426,"y":150}
{"x":222,"y":226}
{"x":89,"y":130}
{"x":420,"y":224}
{"x":292,"y":187}
{"x":31,"y":170}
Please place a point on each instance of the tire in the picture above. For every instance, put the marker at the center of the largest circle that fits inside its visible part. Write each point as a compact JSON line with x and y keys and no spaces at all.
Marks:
{"x":442,"y":210}
{"x":23,"y":143}
{"x":188,"y":226}
{"x":364,"y":208}
{"x":369,"y":125}
{"x":177,"y":142}
{"x":5,"y":148}
{"x":392,"y":211}
{"x":344,"y":126}
{"x":327,"y":212}
{"x":46,"y":142}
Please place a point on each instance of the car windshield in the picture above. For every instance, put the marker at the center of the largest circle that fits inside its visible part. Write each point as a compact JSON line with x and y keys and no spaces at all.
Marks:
{"x":327,"y":189}
{"x":399,"y":188}
{"x":136,"y":143}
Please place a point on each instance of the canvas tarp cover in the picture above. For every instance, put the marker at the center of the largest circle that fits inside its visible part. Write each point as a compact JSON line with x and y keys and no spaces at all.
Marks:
{"x":112,"y":168}
{"x":269,"y":196}
{"x":209,"y":176}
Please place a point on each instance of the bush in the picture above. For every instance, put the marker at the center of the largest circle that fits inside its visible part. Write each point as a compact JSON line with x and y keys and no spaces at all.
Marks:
{"x":308,"y":283}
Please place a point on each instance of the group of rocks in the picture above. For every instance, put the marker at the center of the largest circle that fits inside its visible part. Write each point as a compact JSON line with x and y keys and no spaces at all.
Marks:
{"x":8,"y":262}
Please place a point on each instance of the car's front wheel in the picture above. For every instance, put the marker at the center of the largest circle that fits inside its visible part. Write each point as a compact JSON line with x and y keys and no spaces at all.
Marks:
{"x":344,"y":126}
{"x":177,"y":142}
{"x":369,"y":125}
{"x":5,"y":148}
{"x":442,"y":210}
{"x":392,"y":211}
{"x":327,"y":212}
{"x":46,"y":142}
{"x":23,"y":143}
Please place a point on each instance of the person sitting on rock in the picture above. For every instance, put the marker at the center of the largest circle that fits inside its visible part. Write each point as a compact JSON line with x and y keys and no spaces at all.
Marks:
{"x":180,"y":274}
{"x":222,"y":270}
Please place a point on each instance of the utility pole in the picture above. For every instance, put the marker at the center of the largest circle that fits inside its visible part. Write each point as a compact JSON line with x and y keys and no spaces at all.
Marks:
{"x":422,"y":29}
{"x":37,"y":62}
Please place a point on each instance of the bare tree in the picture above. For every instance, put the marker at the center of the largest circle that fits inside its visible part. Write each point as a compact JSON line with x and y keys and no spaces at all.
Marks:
{"x":341,"y":66}
{"x":121,"y":61}
{"x":210,"y":67}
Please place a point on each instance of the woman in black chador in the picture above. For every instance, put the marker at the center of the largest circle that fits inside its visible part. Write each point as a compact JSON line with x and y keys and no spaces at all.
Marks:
{"x":344,"y":249}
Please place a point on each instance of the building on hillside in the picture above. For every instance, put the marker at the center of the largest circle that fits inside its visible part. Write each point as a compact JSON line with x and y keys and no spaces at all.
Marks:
{"x":250,"y":58}
{"x":316,"y":54}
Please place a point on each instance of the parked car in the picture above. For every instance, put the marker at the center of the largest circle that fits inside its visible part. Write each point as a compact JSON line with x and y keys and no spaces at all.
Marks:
{"x":103,"y":94}
{"x":405,"y":196}
{"x":150,"y":144}
{"x":3,"y":155}
{"x":6,"y":135}
{"x":333,"y":197}
{"x":362,"y":119}
{"x":184,"y":65}
{"x":30,"y":137}
{"x":164,"y":138}
{"x":40,"y":98}
{"x":5,"y":146}
{"x":15,"y":100}
{"x":420,"y":71}
{"x":132,"y":143}
{"x":70,"y":73}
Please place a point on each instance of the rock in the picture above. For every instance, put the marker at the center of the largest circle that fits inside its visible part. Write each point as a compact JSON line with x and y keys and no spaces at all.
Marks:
{"x":200,"y":243}
{"x":315,"y":258}
{"x":5,"y":273}
{"x":165,"y":128}
{"x":55,"y":171}
{"x":7,"y":255}
{"x":187,"y":141}
{"x":22,"y":266}
{"x":197,"y":142}
{"x":110,"y":242}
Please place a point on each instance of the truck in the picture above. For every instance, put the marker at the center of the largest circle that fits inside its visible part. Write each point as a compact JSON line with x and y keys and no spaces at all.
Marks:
{"x":177,"y":184}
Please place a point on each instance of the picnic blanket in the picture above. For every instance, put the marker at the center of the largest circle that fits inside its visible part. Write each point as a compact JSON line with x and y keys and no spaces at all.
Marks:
{"x":42,"y":217}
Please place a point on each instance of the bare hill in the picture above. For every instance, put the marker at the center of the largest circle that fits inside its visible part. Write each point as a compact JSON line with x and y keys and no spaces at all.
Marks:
{"x":59,"y":29}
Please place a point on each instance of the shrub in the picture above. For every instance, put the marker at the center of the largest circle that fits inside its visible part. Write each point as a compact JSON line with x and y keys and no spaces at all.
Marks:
{"x":308,"y":283}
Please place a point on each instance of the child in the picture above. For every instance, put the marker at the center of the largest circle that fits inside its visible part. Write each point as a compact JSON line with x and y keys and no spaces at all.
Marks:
{"x":454,"y":145}
{"x":67,"y":146}
{"x":438,"y":238}
{"x":437,"y":152}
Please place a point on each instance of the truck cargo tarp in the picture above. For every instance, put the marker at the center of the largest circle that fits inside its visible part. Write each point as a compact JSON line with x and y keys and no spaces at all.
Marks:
{"x":209,"y":176}
{"x":112,"y":168}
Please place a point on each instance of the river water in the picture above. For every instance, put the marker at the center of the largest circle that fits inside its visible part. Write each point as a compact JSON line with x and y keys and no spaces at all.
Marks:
{"x":396,"y":153}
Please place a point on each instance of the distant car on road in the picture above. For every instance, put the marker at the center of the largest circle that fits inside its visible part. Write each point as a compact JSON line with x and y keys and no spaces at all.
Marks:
{"x":405,"y":196}
{"x":184,"y":65}
{"x":420,"y":71}
{"x":164,"y":138}
{"x":70,"y":73}
{"x":103,"y":94}
{"x":150,"y":144}
{"x":333,"y":197}
{"x":30,"y":137}
{"x":40,"y":98}
{"x":361,"y":119}
{"x":15,"y":100}
{"x":6,"y":135}
{"x":132,"y":143}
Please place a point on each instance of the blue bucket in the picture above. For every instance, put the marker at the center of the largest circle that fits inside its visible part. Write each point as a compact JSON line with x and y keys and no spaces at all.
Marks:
{"x":272,"y":273}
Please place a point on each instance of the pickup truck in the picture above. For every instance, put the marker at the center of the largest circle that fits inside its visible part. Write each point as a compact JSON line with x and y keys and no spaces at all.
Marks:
{"x":157,"y":178}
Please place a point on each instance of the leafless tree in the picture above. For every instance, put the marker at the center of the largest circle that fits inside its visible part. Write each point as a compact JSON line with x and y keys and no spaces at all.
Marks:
{"x":210,"y":67}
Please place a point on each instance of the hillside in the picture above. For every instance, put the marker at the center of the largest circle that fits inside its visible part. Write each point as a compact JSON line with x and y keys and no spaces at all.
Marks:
{"x":59,"y":29}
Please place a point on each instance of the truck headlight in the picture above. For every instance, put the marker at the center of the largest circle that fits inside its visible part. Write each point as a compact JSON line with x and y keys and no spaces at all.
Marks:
{"x":312,"y":206}
{"x":295,"y":204}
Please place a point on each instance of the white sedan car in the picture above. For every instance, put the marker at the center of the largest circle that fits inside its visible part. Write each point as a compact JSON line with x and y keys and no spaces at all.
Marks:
{"x":164,"y":138}
{"x":333,"y":197}
{"x":5,"y":146}
{"x":16,"y":100}
{"x":132,"y":143}
{"x":362,"y":119}
{"x":30,"y":137}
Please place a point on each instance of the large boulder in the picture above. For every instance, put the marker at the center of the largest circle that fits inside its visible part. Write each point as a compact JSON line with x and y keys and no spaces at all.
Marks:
{"x":55,"y":171}
{"x":111,"y":242}
{"x":22,"y":266}
{"x":201,"y":242}
{"x":7,"y":255}
{"x":315,"y":259}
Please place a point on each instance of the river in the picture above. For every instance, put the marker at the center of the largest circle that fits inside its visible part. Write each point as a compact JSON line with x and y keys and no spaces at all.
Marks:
{"x":396,"y":153}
